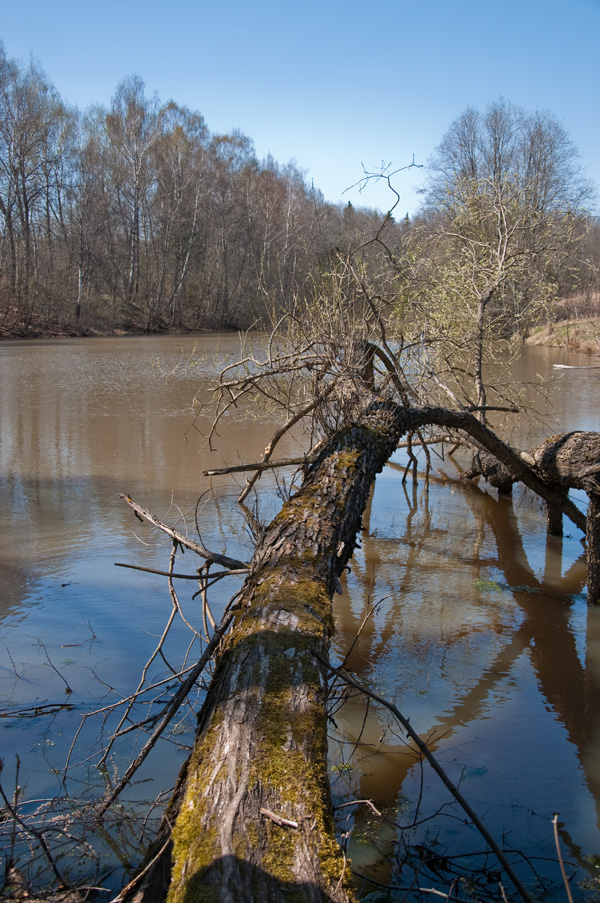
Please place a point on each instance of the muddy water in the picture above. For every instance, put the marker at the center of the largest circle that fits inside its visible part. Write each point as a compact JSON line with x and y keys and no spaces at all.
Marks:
{"x":480,"y":631}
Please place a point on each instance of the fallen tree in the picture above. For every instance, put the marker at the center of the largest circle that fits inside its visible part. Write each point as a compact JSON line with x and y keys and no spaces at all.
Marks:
{"x":254,"y":818}
{"x":251,"y":816}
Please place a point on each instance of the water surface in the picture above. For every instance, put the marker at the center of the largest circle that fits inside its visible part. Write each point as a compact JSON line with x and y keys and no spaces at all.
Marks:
{"x":481,"y":632}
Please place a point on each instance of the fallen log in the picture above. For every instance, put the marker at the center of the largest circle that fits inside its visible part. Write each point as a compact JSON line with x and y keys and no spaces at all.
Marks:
{"x":251,"y":818}
{"x":253,"y":814}
{"x":572,"y":460}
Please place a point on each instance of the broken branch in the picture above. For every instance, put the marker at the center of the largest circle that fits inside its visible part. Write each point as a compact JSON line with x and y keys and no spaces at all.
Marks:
{"x":197,"y":547}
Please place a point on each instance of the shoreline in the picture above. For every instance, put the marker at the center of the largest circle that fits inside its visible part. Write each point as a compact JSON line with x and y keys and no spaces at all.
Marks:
{"x":581,"y":335}
{"x":70,"y":331}
{"x":578,"y":335}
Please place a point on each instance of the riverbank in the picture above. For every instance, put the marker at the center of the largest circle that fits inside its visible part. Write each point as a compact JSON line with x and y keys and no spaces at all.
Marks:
{"x":47,"y":329}
{"x":578,"y":334}
{"x":581,"y":335}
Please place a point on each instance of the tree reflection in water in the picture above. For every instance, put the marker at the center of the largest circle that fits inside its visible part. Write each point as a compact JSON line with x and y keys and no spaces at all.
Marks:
{"x":488,"y":646}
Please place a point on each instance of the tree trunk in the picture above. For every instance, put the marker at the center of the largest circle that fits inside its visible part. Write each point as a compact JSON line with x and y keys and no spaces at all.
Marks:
{"x":593,"y":548}
{"x":573,"y":460}
{"x":254,"y":818}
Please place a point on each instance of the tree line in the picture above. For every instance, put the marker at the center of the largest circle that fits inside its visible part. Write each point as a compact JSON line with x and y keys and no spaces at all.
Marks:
{"x":136,"y":216}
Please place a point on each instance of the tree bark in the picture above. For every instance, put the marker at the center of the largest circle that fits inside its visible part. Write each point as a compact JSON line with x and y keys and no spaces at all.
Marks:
{"x":593,"y":548}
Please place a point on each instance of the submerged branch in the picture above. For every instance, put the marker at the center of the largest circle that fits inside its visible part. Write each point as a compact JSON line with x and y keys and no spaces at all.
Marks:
{"x":257,"y":465}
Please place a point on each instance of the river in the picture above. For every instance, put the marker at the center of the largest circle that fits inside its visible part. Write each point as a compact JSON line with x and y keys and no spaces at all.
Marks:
{"x":480,"y":633}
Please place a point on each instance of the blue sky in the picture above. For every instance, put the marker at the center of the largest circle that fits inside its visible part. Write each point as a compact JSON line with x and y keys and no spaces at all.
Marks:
{"x":333,"y":84}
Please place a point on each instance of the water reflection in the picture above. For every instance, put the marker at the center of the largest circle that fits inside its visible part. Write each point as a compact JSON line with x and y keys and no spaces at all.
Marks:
{"x":479,"y":623}
{"x":81,"y":422}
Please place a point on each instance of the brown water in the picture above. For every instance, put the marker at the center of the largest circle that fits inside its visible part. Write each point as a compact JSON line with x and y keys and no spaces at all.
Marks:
{"x":481,"y":633}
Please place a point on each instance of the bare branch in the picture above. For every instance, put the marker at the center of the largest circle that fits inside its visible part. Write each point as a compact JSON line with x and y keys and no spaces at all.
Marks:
{"x":215,"y":557}
{"x":424,"y":750}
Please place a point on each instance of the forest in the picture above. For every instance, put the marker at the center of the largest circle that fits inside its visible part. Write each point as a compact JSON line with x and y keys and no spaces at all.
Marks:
{"x":138,"y":218}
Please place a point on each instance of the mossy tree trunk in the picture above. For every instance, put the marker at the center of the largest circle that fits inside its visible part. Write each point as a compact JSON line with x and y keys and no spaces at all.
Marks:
{"x":254,"y":818}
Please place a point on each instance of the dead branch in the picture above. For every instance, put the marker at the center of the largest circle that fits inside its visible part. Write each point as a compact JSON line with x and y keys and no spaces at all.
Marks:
{"x":138,"y":567}
{"x":142,"y":681}
{"x":279,"y":819}
{"x":560,"y":859}
{"x":13,"y":810}
{"x":257,"y":465}
{"x":185,"y":541}
{"x":279,"y":433}
{"x":171,"y":709}
{"x":368,"y":803}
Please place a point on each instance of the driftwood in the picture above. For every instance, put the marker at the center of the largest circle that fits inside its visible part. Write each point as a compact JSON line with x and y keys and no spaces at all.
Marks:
{"x":251,"y":817}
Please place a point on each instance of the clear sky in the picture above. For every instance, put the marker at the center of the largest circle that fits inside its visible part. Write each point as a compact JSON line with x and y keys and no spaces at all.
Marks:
{"x":333,"y":84}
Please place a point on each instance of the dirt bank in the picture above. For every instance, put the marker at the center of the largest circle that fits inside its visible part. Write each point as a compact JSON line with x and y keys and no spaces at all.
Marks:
{"x":576,"y":335}
{"x":41,"y":328}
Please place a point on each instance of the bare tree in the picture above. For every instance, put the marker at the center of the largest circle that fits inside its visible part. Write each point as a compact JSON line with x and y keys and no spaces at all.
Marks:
{"x":32,"y":121}
{"x":132,"y":128}
{"x":501,"y":228}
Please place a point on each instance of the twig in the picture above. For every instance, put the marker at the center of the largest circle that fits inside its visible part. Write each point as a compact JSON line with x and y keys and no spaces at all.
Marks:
{"x":215,"y":576}
{"x":68,"y":689}
{"x":142,"y":681}
{"x":12,"y":809}
{"x":256,"y":465}
{"x":184,"y":540}
{"x":279,"y":819}
{"x":437,"y":439}
{"x":137,"y":567}
{"x":171,"y":709}
{"x":128,"y":887}
{"x":360,"y":803}
{"x":206,"y":612}
{"x":369,"y":612}
{"x":560,"y":859}
{"x":175,"y":598}
{"x":401,"y":887}
{"x":295,"y":418}
{"x":32,"y":711}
